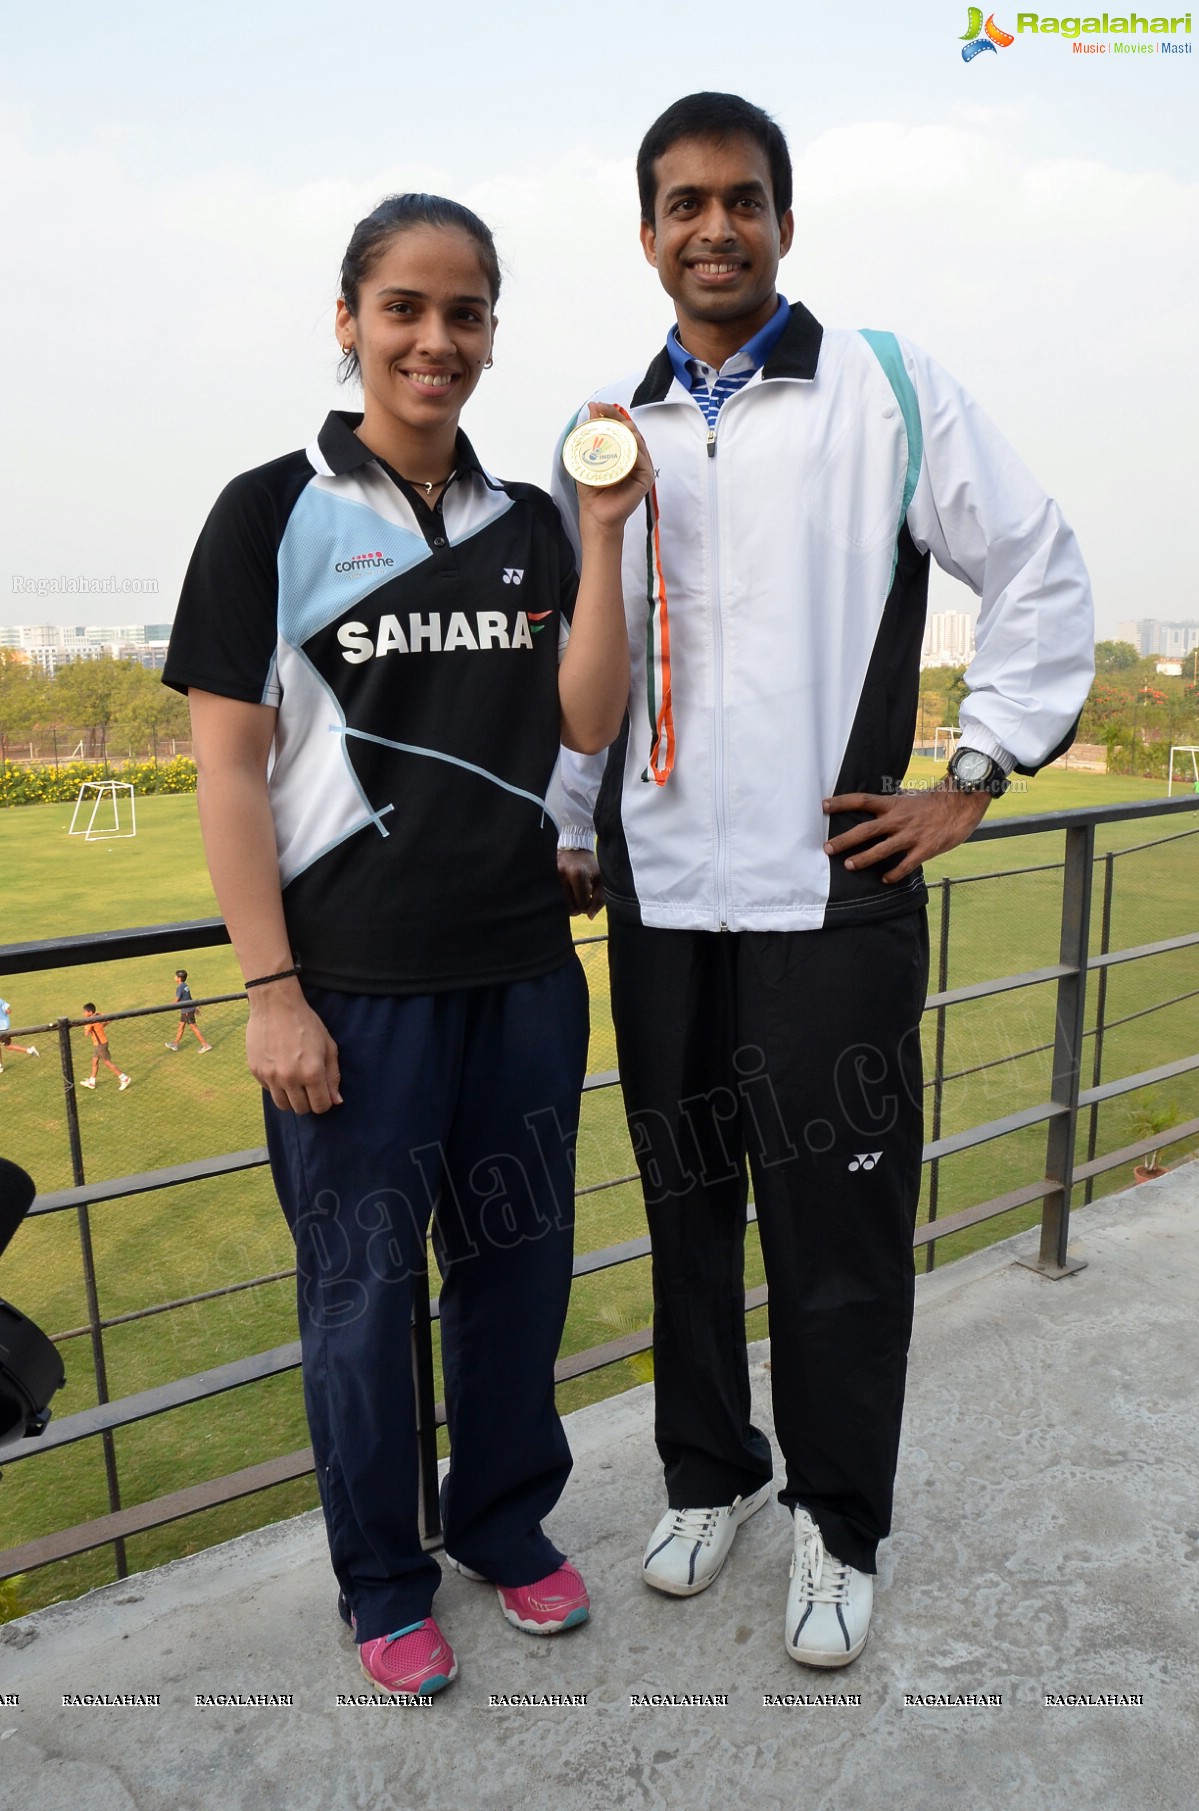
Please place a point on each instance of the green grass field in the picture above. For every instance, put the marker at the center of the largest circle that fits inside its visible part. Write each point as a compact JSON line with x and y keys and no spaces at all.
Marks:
{"x":187,"y":1241}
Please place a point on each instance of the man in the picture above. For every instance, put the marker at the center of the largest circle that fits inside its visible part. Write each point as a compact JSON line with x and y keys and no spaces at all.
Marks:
{"x":768,"y":943}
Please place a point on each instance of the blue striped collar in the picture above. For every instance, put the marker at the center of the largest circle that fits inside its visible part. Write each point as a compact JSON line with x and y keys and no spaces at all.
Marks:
{"x":747,"y":359}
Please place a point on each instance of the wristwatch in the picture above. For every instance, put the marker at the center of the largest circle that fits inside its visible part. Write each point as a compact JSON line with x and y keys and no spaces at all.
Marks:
{"x":972,"y":771}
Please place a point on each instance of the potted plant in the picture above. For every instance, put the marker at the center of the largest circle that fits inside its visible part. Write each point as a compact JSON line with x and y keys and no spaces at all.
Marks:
{"x":1150,"y":1120}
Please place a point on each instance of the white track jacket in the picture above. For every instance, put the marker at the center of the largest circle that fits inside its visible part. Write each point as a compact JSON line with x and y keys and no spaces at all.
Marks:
{"x":793,"y":547}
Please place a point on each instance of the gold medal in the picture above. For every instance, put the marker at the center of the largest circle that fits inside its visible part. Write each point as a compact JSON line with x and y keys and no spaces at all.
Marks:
{"x":600,"y":452}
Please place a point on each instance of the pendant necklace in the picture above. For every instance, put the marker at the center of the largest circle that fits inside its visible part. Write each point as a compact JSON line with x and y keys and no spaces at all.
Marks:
{"x":428,"y":485}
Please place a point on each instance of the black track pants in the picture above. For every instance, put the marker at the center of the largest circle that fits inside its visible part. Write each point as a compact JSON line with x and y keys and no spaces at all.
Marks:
{"x":799,"y":1054}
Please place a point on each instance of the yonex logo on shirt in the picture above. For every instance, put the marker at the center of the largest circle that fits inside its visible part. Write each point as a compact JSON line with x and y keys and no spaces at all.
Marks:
{"x":362,"y":562}
{"x":491,"y":629}
{"x":513,"y":575}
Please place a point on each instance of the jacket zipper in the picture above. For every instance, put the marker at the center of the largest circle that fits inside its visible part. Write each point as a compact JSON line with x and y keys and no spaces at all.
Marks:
{"x":721,"y":816}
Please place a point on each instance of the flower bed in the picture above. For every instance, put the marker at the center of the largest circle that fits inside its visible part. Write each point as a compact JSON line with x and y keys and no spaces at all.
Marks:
{"x":44,"y":786}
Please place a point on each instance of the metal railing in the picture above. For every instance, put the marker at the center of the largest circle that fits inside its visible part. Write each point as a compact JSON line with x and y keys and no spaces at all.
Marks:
{"x":1058,"y":1114}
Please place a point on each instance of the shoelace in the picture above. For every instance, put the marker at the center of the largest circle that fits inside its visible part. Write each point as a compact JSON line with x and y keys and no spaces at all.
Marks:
{"x":823,"y":1578}
{"x":694,"y":1524}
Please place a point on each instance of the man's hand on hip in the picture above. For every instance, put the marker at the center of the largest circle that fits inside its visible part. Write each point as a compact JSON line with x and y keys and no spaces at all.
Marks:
{"x":916,"y":825}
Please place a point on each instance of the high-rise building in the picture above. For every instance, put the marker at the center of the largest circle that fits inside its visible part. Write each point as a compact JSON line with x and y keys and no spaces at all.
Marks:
{"x":948,"y":639}
{"x":1152,"y":635}
{"x":50,"y":646}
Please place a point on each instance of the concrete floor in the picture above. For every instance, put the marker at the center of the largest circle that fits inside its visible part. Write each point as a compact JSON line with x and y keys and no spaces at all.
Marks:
{"x":1046,"y":1541}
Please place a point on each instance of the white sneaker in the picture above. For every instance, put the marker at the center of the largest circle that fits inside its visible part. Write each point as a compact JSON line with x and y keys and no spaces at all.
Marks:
{"x":125,"y":1081}
{"x":88,"y":1084}
{"x":33,"y":1050}
{"x":170,"y":1046}
{"x":828,"y":1602}
{"x":689,"y":1546}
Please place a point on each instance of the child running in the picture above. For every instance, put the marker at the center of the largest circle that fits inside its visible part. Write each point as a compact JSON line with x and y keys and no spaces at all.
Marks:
{"x":95,"y":1029}
{"x":383,"y":645}
{"x":6,"y":1042}
{"x":187,"y":1015}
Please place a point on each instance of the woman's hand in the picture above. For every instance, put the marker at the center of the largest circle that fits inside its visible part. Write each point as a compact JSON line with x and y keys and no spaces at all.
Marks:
{"x":593,"y":678}
{"x":289,"y":1051}
{"x":608,"y":506}
{"x":287,"y":1047}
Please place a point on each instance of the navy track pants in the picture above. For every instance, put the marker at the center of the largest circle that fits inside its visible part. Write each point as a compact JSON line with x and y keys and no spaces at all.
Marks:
{"x":464,"y":1106}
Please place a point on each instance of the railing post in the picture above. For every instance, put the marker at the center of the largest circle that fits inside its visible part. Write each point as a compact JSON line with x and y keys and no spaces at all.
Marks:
{"x":426,"y":1412}
{"x":1077,"y":876}
{"x":1105,"y":943}
{"x":95,"y":1330}
{"x":934,"y":1168}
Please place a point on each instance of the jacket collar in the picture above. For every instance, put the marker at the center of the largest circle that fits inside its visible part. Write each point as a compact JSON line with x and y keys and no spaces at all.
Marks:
{"x":796,"y":356}
{"x":343,"y":452}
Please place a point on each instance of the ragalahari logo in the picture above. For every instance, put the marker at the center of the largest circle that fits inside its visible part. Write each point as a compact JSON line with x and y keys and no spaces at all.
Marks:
{"x":973,"y":39}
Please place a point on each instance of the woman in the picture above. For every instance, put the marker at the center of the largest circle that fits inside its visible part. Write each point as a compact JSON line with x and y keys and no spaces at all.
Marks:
{"x":383,"y":645}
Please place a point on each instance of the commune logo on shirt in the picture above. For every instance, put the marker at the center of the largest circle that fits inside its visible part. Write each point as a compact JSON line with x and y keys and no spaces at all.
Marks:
{"x":421,"y":634}
{"x":363,"y":562}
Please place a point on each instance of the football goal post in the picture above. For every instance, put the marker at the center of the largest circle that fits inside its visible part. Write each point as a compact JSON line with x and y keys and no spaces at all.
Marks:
{"x":1185,"y":778}
{"x":948,"y":746}
{"x":109,"y":800}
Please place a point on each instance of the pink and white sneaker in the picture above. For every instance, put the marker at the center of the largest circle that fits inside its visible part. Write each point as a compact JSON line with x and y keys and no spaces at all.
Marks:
{"x":416,"y":1661}
{"x":547,"y":1607}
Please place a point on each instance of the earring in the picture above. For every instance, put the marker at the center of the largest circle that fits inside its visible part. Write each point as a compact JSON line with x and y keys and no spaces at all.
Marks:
{"x":488,"y":363}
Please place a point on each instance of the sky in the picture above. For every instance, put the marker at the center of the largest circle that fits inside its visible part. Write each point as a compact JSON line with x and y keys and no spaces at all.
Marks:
{"x":179,"y":185}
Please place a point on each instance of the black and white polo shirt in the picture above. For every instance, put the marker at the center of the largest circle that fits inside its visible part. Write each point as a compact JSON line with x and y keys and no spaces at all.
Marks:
{"x":412,"y":655}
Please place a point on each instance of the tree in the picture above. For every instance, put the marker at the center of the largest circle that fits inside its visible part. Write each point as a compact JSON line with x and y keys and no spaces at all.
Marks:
{"x":150,"y":711}
{"x":1115,"y":656}
{"x":941,"y":692}
{"x":955,"y":695}
{"x":1112,"y":735}
{"x":1150,"y":1120}
{"x":91,"y":694}
{"x":1108,"y":702}
{"x":21,"y":692}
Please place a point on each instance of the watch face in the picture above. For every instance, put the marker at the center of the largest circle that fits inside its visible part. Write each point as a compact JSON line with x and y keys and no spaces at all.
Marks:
{"x":970,"y":766}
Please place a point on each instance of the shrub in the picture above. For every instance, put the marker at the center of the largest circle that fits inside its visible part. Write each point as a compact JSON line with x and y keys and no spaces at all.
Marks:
{"x":12,"y":1602}
{"x":45,"y":786}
